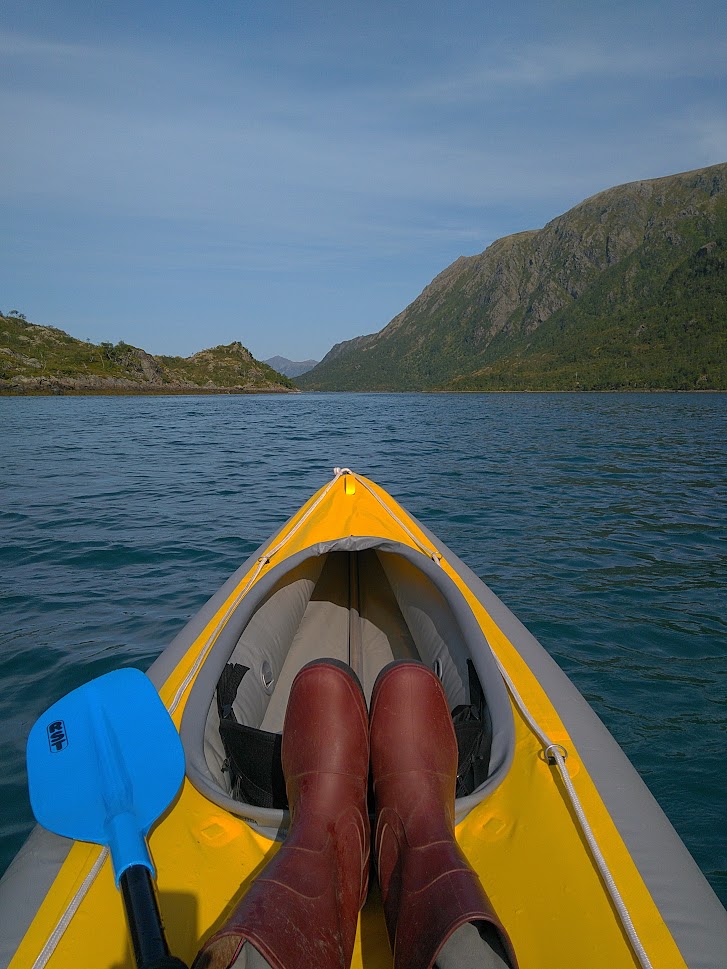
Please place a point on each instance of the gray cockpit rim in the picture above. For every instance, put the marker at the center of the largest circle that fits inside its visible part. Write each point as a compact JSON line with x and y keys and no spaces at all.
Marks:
{"x":273,"y":822}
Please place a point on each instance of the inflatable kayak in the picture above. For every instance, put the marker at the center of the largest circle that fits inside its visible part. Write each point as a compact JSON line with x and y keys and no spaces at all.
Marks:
{"x":580,"y":863}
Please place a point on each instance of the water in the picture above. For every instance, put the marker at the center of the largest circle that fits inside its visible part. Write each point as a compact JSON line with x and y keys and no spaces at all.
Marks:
{"x":599,"y":519}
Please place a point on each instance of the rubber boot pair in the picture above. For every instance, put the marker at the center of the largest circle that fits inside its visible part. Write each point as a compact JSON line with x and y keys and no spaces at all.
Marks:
{"x":302,"y":911}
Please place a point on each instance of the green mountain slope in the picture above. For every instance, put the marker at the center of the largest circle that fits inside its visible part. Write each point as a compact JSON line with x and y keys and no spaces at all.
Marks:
{"x":42,"y":359}
{"x":671,"y":334}
{"x":626,"y":290}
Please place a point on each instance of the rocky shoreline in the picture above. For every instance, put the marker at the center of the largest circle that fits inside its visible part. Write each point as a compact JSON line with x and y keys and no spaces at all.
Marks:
{"x":120,"y":386}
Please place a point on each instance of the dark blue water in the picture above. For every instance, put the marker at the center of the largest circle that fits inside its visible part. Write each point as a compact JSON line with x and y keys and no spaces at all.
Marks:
{"x":601,"y":520}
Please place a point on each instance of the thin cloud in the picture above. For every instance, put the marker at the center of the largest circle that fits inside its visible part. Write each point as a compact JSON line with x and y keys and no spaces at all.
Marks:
{"x":545,"y":66}
{"x":70,"y":153}
{"x":18,"y":45}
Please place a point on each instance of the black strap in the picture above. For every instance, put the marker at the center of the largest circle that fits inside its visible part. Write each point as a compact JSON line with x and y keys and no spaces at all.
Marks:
{"x":473,"y":730}
{"x":253,"y":756}
{"x":227,"y":687}
{"x":254,"y":762}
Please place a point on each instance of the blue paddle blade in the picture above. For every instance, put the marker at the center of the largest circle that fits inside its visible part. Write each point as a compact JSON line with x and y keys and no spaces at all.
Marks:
{"x":103,"y":763}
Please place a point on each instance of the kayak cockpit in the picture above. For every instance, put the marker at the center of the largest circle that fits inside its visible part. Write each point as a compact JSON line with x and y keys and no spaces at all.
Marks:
{"x":365,"y":602}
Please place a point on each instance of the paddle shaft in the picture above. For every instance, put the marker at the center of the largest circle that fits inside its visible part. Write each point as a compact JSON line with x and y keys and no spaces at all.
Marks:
{"x":145,"y":923}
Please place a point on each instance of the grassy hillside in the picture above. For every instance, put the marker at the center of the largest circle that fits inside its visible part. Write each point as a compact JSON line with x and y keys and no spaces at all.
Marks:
{"x":43,"y":359}
{"x":626,"y":290}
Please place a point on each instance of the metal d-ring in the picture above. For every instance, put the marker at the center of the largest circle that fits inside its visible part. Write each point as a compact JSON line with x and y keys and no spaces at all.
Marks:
{"x":267,"y":677}
{"x":550,"y":757}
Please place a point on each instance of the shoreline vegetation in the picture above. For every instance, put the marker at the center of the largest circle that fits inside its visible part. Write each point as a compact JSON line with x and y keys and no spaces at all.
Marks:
{"x":58,"y":390}
{"x":45,"y":361}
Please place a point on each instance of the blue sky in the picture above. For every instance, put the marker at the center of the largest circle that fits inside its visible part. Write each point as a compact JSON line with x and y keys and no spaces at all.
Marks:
{"x":292,"y":174}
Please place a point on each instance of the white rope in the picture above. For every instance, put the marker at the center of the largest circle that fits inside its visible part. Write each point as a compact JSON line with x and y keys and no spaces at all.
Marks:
{"x":557,"y":754}
{"x":55,"y":937}
{"x":261,"y":563}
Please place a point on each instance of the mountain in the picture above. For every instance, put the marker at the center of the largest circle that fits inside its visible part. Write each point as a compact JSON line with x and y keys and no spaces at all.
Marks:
{"x":291,"y":368}
{"x":44,"y":360}
{"x":628,"y":290}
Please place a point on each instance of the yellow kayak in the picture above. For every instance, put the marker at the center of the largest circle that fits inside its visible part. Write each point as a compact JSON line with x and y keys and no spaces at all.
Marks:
{"x":580,"y":863}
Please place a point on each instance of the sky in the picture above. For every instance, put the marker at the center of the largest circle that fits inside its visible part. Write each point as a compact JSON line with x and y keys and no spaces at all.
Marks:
{"x":179,"y":174}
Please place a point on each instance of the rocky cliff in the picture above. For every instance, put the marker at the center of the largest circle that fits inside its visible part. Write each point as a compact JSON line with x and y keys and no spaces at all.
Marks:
{"x":622,"y":277}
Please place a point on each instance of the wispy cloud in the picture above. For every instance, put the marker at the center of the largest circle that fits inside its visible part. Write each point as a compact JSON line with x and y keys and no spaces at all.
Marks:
{"x":254,"y":155}
{"x":546,"y":66}
{"x":22,"y":46}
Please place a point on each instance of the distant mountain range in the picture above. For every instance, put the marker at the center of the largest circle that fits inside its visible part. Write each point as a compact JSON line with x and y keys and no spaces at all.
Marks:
{"x":44,"y":360}
{"x":628,"y":290}
{"x":291,"y":368}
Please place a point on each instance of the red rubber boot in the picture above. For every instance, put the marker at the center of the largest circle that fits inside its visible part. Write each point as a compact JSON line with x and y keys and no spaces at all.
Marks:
{"x":428,"y":888}
{"x":302,"y":910}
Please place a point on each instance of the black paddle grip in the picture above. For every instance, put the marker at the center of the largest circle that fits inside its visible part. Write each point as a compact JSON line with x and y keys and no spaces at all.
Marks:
{"x":145,"y":923}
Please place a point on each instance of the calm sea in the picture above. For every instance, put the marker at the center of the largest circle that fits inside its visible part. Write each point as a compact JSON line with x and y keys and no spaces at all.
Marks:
{"x":601,"y":520}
